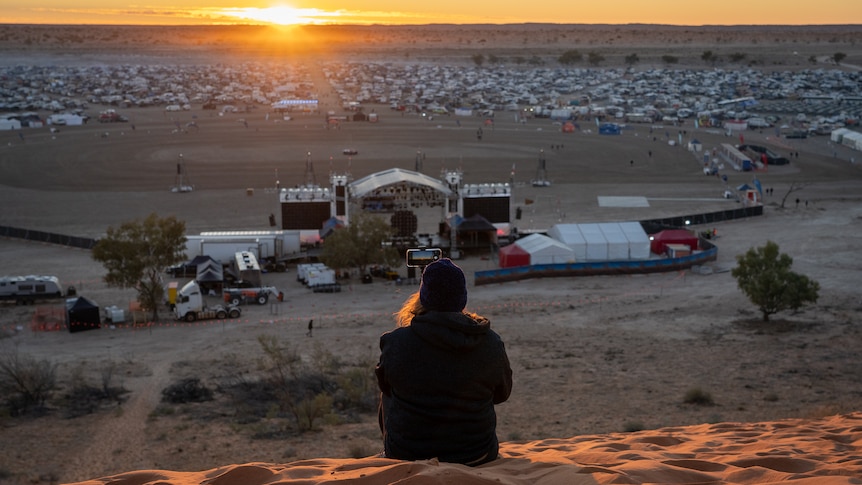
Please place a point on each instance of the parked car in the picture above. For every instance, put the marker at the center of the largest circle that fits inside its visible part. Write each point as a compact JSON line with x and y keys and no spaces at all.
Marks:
{"x":183,"y":270}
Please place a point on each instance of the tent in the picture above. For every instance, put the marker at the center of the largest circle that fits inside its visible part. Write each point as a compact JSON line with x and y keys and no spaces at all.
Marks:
{"x":570,"y":235}
{"x":9,"y":124}
{"x":202,"y":259}
{"x":661,"y":239}
{"x":852,"y":139}
{"x":639,"y":244}
{"x":474,"y":231}
{"x":545,"y":250}
{"x":82,"y":314}
{"x":513,"y":255}
{"x":609,"y":129}
{"x":210,"y":273}
{"x":597,"y":244}
{"x":618,"y":243}
{"x":604,"y":241}
{"x":838,"y":135}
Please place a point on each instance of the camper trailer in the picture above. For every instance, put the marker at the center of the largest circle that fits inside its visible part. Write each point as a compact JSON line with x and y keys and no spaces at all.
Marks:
{"x":245,"y":268}
{"x":26,"y":289}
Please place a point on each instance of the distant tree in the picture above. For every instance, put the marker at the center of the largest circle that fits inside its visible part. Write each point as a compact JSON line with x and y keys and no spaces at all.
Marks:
{"x":570,"y":57}
{"x":137,"y":253}
{"x":763,"y":274}
{"x":494,"y":59}
{"x":709,"y":57}
{"x":812,"y":59}
{"x":794,"y":187}
{"x":838,"y":57}
{"x":632,"y":59}
{"x":738,"y":56}
{"x":519,"y":60}
{"x":668,"y":59}
{"x":360,"y":244}
{"x":594,"y":58}
{"x":478,"y":59}
{"x":536,"y":61}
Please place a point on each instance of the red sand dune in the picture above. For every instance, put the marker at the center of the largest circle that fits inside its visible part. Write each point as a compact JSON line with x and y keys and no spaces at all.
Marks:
{"x":807,"y":452}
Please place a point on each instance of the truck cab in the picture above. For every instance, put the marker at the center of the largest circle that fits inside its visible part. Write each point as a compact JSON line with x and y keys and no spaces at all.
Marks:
{"x":190,"y":305}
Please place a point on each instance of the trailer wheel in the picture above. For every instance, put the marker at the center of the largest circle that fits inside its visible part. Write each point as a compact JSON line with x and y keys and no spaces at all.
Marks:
{"x":261,"y":299}
{"x":221,"y":314}
{"x":190,"y":317}
{"x":235,"y":300}
{"x":234,"y":313}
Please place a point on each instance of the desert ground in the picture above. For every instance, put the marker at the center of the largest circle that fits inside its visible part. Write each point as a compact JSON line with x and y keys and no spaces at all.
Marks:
{"x":590,"y":355}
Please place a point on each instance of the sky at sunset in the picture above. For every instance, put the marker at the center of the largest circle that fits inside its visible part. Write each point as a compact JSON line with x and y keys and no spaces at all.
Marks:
{"x":188,"y":12}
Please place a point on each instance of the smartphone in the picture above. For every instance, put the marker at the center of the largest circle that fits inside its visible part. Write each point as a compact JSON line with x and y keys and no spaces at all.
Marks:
{"x":417,"y":258}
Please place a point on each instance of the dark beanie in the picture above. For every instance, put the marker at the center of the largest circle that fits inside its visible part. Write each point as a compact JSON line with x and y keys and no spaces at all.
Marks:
{"x":443,"y":287}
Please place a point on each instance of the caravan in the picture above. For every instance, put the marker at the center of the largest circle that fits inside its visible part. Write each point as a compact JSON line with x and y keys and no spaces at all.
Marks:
{"x":26,"y":289}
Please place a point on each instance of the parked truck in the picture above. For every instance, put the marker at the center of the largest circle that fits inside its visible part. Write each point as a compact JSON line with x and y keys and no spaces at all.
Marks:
{"x":27,"y":289}
{"x":190,"y":306}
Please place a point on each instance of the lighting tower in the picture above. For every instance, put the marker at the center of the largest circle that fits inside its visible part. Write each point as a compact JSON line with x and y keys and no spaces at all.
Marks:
{"x":310,"y":179}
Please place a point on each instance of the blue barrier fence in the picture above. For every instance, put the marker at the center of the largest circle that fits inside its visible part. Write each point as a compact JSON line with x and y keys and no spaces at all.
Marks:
{"x":597,"y":268}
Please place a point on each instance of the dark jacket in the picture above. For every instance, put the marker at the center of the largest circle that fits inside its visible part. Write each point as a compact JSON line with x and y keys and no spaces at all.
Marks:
{"x":440,"y":378}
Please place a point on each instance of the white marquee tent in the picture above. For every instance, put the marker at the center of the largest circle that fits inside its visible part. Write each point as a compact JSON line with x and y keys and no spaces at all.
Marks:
{"x":639,"y":244}
{"x":571,"y":236}
{"x":545,"y":250}
{"x":605,"y":241}
{"x":597,"y":244}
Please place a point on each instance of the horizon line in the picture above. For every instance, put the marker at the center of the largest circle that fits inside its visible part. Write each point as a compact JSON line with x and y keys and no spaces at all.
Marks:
{"x":428,"y":24}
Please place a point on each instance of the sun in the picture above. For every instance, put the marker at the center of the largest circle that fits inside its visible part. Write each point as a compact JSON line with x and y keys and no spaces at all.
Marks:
{"x":279,"y":15}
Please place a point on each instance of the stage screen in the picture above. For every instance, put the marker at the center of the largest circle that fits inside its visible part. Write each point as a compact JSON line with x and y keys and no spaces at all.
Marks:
{"x":304,"y":215}
{"x":494,"y":209}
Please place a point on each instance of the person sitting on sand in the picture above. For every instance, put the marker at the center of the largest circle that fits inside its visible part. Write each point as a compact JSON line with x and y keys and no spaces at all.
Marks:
{"x":441,"y":372}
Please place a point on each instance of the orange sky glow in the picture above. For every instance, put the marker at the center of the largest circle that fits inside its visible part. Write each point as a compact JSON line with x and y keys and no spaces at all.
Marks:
{"x":364,"y":12}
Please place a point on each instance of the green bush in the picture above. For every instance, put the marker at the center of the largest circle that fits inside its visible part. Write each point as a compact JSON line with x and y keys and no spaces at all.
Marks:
{"x":698,"y":396}
{"x":187,"y":390}
{"x":633,"y":426}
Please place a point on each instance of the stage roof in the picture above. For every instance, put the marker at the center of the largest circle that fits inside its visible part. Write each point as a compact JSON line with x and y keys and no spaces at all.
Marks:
{"x":365,"y":185}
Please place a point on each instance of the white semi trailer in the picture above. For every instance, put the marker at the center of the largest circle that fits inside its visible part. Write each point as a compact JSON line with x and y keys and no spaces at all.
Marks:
{"x":267,"y":246}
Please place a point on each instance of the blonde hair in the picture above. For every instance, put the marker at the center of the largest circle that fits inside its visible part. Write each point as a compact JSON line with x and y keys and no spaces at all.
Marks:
{"x":412,"y":307}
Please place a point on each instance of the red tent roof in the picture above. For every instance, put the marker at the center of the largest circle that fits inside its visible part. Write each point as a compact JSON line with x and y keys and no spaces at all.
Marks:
{"x":661,"y":239}
{"x":513,"y":255}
